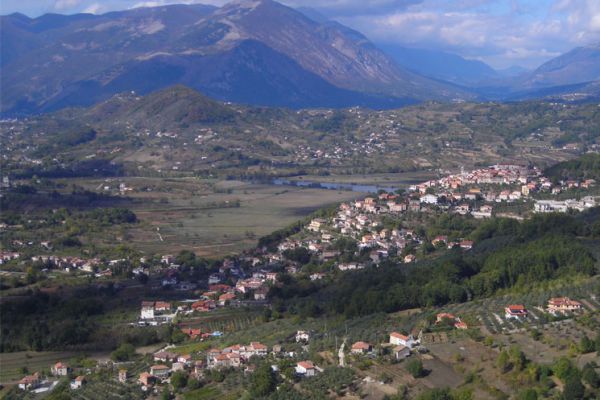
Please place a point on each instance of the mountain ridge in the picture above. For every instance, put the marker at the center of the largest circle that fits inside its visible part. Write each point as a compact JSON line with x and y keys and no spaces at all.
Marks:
{"x":83,"y":59}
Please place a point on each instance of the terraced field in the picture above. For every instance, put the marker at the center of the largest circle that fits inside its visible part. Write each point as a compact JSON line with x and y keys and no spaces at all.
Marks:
{"x":107,"y":390}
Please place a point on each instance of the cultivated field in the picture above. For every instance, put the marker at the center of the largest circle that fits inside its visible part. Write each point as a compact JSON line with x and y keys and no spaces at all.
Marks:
{"x":11,"y":363}
{"x":212,"y":218}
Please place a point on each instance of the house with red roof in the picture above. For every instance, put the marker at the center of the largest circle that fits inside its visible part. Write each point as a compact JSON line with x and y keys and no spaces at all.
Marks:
{"x":203,"y":305}
{"x":146,"y":379}
{"x":461,"y":325}
{"x":29,"y":382}
{"x":404,"y":340}
{"x":78,"y":382}
{"x":165,"y":356}
{"x":444,"y":316}
{"x":466,"y":244}
{"x":257,"y":349}
{"x":225,"y":298}
{"x":60,"y":369}
{"x":440,"y":239}
{"x":193,"y":333}
{"x":361,"y":348}
{"x":515,"y":311}
{"x":305,"y":368}
{"x":563,"y":304}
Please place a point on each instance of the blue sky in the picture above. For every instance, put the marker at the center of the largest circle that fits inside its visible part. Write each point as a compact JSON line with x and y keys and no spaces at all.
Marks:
{"x":500,"y":32}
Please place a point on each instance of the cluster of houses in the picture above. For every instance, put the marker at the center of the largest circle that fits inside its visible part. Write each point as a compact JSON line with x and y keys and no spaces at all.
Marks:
{"x":457,"y":192}
{"x":236,"y":356}
{"x":555,"y":306}
{"x":361,"y":221}
{"x":217,"y":295}
{"x":68,"y":263}
{"x":166,"y":363}
{"x":551,"y":206}
{"x":7,"y":256}
{"x":35,"y":382}
{"x":65,"y":263}
{"x":358,"y":220}
{"x":402,"y":345}
{"x":354,"y":219}
{"x":460,"y":193}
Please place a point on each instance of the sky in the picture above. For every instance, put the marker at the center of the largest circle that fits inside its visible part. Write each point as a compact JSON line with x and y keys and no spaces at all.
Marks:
{"x":502,"y":33}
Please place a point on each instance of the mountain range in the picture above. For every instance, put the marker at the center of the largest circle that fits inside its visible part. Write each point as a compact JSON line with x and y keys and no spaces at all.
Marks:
{"x":250,"y":51}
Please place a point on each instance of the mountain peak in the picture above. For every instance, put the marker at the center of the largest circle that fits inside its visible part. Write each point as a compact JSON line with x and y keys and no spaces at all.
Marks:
{"x":250,"y":51}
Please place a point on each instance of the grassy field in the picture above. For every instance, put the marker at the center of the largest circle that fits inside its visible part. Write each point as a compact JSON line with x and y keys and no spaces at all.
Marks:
{"x":400,"y":179}
{"x":212,"y":218}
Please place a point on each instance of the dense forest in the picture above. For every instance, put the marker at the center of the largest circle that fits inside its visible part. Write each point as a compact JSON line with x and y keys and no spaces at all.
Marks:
{"x":507,"y":255}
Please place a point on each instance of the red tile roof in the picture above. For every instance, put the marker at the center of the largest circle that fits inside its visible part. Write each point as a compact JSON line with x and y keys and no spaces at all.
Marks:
{"x":399,"y":335}
{"x":361,"y":346}
{"x":306,"y":364}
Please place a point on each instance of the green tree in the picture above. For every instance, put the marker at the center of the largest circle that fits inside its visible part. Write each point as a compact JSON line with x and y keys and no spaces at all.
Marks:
{"x":563,"y":369}
{"x":166,"y":394}
{"x":179,"y":380}
{"x":435,"y":394}
{"x":574,"y":389}
{"x":503,"y":361}
{"x":536,"y":334}
{"x":590,"y":376}
{"x":517,"y":358}
{"x":124,"y":352}
{"x":586,"y":345}
{"x":177,"y":336}
{"x":263,"y":381}
{"x":415,"y":367}
{"x":528,"y":394}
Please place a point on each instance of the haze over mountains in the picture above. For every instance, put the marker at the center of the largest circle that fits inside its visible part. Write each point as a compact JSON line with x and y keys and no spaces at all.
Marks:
{"x":255,"y":52}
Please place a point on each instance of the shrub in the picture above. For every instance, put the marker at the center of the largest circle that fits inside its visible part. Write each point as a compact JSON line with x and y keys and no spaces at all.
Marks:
{"x":124,"y":352}
{"x":415,"y":367}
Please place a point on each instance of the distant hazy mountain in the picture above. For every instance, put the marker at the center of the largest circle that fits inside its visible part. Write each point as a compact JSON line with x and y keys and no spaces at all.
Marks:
{"x":258,"y":52}
{"x":512,"y":71}
{"x":442,"y":65}
{"x":579,"y":65}
{"x":575,"y":93}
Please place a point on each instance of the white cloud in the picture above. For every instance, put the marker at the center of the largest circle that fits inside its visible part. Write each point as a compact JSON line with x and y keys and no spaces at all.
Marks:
{"x":66,"y":4}
{"x":95,"y":8}
{"x":148,"y":4}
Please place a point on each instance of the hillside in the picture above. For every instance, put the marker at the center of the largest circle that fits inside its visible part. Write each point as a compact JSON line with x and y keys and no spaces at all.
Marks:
{"x":178,"y":130}
{"x":586,"y":167}
{"x":579,"y":65}
{"x":255,"y":52}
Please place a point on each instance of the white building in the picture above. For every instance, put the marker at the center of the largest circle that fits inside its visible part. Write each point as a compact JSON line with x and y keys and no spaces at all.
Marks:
{"x":305,"y":368}
{"x":429,"y":199}
{"x":147,"y":310}
{"x":302,"y":336}
{"x":399,"y":339}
